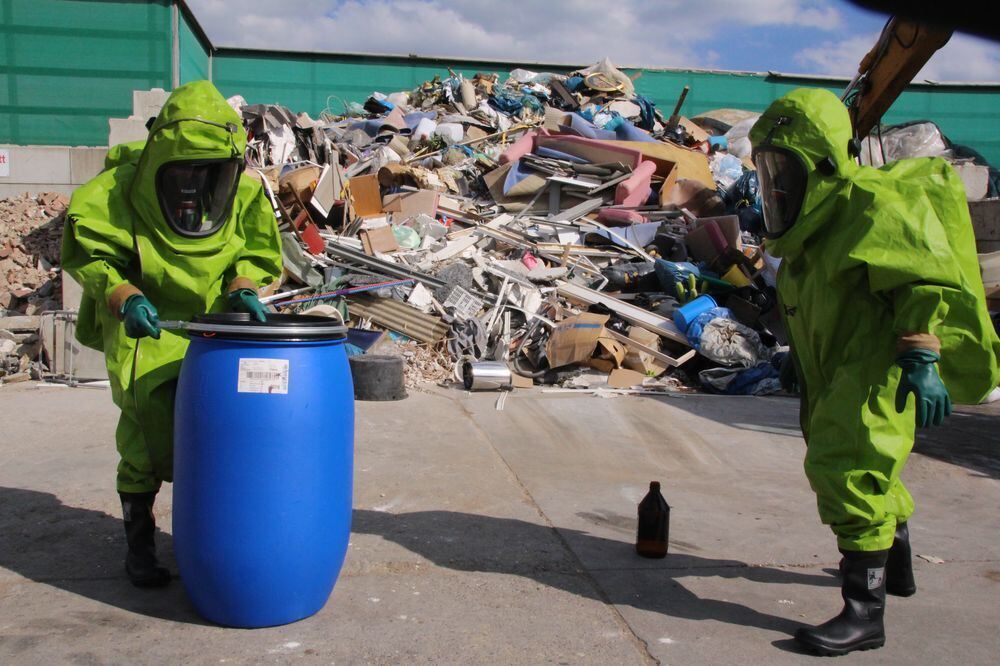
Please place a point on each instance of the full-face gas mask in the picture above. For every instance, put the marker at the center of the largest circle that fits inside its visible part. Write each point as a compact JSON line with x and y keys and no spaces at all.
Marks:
{"x":196,"y":196}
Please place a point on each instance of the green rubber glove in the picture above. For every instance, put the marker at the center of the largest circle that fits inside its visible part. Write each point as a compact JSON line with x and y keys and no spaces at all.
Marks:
{"x":689,"y":290}
{"x":140,"y":318}
{"x":245,"y":300}
{"x":920,"y":377}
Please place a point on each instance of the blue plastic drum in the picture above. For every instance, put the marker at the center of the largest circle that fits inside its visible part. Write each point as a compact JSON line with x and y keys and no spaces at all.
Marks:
{"x":263,"y":467}
{"x":687,"y":313}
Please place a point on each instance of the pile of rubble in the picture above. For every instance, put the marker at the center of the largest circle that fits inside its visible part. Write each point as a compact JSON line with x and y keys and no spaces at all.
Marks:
{"x":552,"y":228}
{"x":30,"y":238}
{"x":536,"y":228}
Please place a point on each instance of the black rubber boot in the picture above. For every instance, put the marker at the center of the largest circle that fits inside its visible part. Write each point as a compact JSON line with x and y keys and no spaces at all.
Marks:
{"x":141,"y":564}
{"x":899,"y":567}
{"x":859,"y":625}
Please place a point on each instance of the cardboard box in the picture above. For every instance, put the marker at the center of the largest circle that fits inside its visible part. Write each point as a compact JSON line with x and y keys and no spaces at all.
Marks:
{"x":410,"y":204}
{"x":378,"y":239}
{"x":623,"y":378}
{"x":640,"y":361}
{"x":608,"y":354}
{"x":574,"y":339}
{"x":300,"y":181}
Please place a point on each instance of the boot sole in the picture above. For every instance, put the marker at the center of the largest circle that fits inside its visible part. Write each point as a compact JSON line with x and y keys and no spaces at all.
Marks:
{"x":825,"y":651}
{"x":908,"y":592}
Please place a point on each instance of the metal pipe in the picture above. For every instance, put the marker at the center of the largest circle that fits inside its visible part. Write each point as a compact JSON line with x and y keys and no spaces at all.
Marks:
{"x":486,"y":376}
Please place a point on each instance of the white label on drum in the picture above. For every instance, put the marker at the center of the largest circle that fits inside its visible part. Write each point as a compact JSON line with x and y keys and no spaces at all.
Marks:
{"x":263,"y":375}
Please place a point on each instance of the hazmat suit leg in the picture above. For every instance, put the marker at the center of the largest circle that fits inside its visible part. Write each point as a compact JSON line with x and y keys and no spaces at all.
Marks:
{"x":135,"y":469}
{"x":144,"y":439}
{"x":857,"y":446}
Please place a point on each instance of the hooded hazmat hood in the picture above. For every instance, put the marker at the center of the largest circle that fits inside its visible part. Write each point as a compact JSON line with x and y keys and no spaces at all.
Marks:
{"x":195,"y":124}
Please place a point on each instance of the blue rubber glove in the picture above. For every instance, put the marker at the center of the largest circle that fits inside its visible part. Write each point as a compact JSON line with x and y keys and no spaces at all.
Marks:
{"x":140,"y":318}
{"x":245,"y":300}
{"x":920,"y":377}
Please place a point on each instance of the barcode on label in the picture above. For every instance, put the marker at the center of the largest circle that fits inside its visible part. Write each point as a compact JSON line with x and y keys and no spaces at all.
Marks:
{"x":263,"y":375}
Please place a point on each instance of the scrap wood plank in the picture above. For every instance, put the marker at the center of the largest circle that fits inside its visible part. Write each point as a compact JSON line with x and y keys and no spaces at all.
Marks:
{"x":655,"y":353}
{"x":498,"y":222}
{"x":632,"y":314}
{"x":578,"y":250}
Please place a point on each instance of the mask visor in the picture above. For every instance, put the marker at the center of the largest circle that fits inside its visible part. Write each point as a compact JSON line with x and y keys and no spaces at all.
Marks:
{"x":782,"y":189}
{"x":196,"y":196}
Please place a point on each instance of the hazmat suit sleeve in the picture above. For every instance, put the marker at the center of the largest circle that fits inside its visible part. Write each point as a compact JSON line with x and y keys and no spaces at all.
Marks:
{"x":911,"y":263}
{"x":259,"y":262}
{"x":98,"y":252}
{"x":921,"y":260}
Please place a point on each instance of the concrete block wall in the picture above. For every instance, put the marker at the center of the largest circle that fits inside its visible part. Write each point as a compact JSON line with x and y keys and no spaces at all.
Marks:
{"x":145,"y":105}
{"x":61,"y":169}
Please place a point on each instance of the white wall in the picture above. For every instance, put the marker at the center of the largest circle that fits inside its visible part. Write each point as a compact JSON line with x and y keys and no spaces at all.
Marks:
{"x":60,"y":169}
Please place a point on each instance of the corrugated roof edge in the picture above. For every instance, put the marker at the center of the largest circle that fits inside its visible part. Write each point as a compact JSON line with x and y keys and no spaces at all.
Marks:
{"x":223,"y":50}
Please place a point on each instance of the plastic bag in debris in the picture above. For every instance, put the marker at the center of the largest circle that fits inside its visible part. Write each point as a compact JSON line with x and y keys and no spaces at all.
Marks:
{"x":406,"y":237}
{"x":605,"y":77}
{"x":871,"y":152}
{"x":738,"y":137}
{"x":237,"y":102}
{"x":719,"y":337}
{"x":524,"y":75}
{"x":922,"y":139}
{"x":759,"y":380}
{"x":647,"y":113}
{"x":726,"y":169}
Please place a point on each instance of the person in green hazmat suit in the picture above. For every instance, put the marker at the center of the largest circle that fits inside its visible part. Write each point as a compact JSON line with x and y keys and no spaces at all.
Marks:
{"x":172,"y":228}
{"x":882,"y":300}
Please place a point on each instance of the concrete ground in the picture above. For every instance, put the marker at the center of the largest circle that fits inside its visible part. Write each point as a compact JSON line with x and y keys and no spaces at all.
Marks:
{"x":502,"y":537}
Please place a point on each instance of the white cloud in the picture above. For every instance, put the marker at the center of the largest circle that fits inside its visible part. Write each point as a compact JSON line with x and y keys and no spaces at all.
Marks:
{"x":668,"y":33}
{"x":836,"y":58}
{"x":963,"y":58}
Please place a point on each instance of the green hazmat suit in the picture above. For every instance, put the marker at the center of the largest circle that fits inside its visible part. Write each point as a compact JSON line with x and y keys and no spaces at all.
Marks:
{"x":876,"y":261}
{"x":117,"y":243}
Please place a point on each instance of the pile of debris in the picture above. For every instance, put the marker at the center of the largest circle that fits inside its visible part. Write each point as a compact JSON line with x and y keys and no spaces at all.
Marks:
{"x":539,"y":228}
{"x":30,"y":238}
{"x":544,"y":228}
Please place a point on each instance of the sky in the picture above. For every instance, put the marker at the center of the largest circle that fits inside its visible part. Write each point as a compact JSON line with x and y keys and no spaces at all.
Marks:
{"x":789,"y":36}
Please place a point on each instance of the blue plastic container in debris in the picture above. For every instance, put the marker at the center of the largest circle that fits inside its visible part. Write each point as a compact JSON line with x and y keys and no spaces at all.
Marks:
{"x":687,"y":313}
{"x":263,"y":466}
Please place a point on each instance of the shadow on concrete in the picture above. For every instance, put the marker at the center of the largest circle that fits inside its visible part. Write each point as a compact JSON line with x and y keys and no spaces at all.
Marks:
{"x":468,"y":542}
{"x":82,"y":551}
{"x":966,"y":439}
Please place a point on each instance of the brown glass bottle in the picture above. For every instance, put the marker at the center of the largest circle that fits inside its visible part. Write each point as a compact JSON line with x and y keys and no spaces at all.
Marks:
{"x":654,"y":523}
